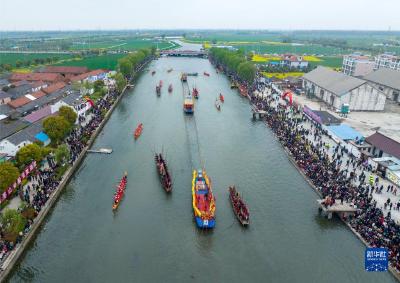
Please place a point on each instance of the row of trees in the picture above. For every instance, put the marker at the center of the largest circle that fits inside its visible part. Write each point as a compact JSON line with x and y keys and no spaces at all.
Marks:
{"x":128,"y":64}
{"x":235,"y":62}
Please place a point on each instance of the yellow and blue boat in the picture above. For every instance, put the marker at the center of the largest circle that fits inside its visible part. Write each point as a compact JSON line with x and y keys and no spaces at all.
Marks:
{"x":203,"y":200}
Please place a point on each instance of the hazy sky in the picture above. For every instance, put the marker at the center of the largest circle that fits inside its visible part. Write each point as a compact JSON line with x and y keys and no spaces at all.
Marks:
{"x":197,"y":14}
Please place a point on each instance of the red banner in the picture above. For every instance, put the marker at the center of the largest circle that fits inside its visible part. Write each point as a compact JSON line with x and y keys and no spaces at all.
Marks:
{"x":19,"y":180}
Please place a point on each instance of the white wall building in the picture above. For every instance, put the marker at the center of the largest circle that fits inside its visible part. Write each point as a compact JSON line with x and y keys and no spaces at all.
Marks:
{"x":387,"y":81}
{"x":337,"y":89}
{"x":387,"y":60}
{"x":357,"y":65}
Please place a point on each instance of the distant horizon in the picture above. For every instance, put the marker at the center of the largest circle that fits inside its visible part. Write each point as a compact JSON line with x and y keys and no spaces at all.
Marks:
{"x":287,"y":15}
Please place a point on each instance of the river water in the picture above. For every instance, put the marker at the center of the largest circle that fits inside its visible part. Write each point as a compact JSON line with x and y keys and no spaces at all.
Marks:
{"x":153,"y":238}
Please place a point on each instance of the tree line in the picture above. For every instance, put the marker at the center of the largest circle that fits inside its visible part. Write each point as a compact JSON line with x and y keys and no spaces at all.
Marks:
{"x":235,"y":62}
{"x":128,"y":65}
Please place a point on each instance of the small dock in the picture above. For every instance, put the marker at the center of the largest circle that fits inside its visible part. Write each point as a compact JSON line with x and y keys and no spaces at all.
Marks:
{"x":344,"y":209}
{"x":260,"y":113}
{"x":101,"y":150}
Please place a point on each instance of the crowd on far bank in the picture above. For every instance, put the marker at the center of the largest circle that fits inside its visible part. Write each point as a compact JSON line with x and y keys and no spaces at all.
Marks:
{"x":337,"y":176}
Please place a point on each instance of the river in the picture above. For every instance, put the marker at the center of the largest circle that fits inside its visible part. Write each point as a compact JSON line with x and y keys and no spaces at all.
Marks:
{"x":153,"y":238}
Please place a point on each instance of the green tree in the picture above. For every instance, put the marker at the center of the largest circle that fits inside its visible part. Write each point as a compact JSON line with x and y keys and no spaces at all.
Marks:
{"x":125,"y":66}
{"x":98,"y":85}
{"x":12,"y":223}
{"x":68,"y":113}
{"x":56,"y":127}
{"x":18,"y":63}
{"x":25,"y":155}
{"x":8,"y":174}
{"x":120,"y":81}
{"x":247,"y":71}
{"x":61,"y":153}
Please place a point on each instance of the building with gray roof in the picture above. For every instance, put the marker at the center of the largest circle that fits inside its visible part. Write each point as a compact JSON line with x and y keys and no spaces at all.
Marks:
{"x":387,"y":80}
{"x":337,"y":89}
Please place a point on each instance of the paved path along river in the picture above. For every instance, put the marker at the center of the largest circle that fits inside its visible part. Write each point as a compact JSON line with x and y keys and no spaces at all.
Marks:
{"x":152,"y":237}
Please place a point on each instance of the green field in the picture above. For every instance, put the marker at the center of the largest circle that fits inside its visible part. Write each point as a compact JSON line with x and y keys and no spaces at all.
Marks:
{"x":108,"y":61}
{"x":11,"y":58}
{"x":309,"y":49}
{"x":333,"y":62}
{"x":121,"y":44}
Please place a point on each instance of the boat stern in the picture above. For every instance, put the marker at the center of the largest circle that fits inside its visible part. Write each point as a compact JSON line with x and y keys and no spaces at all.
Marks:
{"x":205,"y":223}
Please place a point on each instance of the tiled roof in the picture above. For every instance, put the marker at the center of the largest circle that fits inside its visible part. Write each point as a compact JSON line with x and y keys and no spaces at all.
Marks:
{"x":65,"y":70}
{"x":19,"y":102}
{"x":8,"y":128}
{"x":39,"y":114}
{"x":386,"y":77}
{"x":384,"y":143}
{"x":54,"y":87}
{"x":38,"y":94}
{"x":86,"y":75}
{"x":46,"y":77}
{"x":4,"y":94}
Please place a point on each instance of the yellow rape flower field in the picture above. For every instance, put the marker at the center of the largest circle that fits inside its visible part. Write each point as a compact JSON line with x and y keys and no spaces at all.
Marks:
{"x":206,"y":45}
{"x":266,"y":58}
{"x":311,"y":59}
{"x":282,"y":76}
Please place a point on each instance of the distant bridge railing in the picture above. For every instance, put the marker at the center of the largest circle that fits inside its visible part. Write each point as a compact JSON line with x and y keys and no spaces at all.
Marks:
{"x":186,"y":53}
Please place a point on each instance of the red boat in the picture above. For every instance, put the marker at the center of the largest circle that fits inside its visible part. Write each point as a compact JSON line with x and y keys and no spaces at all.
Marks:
{"x":206,"y":74}
{"x":243,"y":90}
{"x":119,"y":194}
{"x":195,"y":93}
{"x":170,"y":88}
{"x":138,"y":131}
{"x":160,"y":84}
{"x":239,"y":207}
{"x":162,"y":169}
{"x":221,"y":97}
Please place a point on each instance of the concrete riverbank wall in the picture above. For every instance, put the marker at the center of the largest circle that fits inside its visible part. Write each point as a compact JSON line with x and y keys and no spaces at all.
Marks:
{"x":12,"y":259}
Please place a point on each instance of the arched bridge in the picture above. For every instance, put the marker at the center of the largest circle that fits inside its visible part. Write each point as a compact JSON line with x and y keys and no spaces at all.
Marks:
{"x":183,"y":53}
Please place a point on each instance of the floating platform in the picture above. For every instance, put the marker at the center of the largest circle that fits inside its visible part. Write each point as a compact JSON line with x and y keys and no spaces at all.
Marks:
{"x":101,"y":150}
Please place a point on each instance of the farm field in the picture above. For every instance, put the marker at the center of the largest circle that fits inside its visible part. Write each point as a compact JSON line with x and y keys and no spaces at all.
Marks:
{"x":122,"y":44}
{"x":11,"y":58}
{"x":327,"y":61}
{"x":282,"y":76}
{"x":108,"y":61}
{"x":309,"y":49}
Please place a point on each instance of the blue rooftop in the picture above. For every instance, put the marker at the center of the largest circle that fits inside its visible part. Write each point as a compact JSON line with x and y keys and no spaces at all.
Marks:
{"x":345,"y":132}
{"x":42,"y":137}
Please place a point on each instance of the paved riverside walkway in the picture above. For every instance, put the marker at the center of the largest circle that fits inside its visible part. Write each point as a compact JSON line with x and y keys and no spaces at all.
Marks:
{"x":329,"y":148}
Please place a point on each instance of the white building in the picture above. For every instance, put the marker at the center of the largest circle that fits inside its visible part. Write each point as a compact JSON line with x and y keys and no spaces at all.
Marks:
{"x":337,"y":89}
{"x":387,"y":60}
{"x":387,"y":81}
{"x":357,"y":65}
{"x":294,"y":61}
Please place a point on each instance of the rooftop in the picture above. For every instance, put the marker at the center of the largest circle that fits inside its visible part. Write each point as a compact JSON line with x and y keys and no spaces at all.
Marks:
{"x":386,"y":144}
{"x":8,"y":127}
{"x":386,"y":77}
{"x":332,"y":81}
{"x":86,"y":75}
{"x":46,"y":77}
{"x":65,"y":70}
{"x":54,"y":87}
{"x":19,"y":102}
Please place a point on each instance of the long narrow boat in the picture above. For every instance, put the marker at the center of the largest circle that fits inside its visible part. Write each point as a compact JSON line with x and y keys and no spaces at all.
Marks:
{"x":195,"y":93}
{"x":160,"y":84}
{"x":153,"y":72}
{"x":138,"y":131}
{"x":169,"y":70}
{"x":221,"y":97}
{"x":162,"y":169}
{"x":184,"y":77}
{"x":170,"y":88}
{"x":217,"y":105}
{"x":158,"y":90}
{"x":203,"y":200}
{"x":120,"y":192}
{"x":239,"y":207}
{"x":206,"y":74}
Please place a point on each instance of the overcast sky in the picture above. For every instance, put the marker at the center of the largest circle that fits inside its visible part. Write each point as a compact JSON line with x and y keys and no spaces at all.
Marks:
{"x":199,"y":14}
